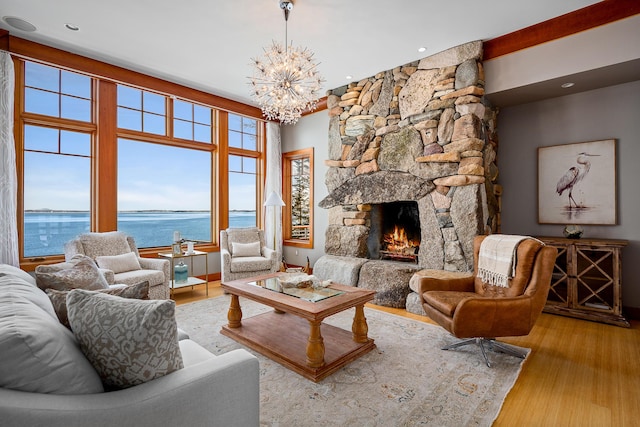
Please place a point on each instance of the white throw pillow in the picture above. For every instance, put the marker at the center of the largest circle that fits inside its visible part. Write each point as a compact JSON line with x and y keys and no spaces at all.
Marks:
{"x":128,"y":341}
{"x":245,"y":249}
{"x":119,"y":263}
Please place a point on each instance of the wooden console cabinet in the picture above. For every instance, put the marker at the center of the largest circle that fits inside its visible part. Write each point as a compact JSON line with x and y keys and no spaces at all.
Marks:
{"x":586,"y":280}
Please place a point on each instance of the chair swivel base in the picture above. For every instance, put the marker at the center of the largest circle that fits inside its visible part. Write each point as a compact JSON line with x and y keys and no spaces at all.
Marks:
{"x":491,"y":344}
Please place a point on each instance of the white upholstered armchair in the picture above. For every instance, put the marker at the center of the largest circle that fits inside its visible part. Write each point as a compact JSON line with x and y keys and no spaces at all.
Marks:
{"x":243,"y":254}
{"x":117,"y":256}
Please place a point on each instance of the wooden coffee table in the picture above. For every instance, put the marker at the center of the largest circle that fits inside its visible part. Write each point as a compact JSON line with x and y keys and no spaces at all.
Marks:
{"x":293,"y":334}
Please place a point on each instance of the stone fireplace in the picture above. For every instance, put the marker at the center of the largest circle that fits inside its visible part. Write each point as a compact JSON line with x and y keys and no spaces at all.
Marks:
{"x":419,"y":138}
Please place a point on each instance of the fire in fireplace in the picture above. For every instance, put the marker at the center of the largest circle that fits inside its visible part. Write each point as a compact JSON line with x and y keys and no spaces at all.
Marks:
{"x":397,"y":246}
{"x":395,"y":232}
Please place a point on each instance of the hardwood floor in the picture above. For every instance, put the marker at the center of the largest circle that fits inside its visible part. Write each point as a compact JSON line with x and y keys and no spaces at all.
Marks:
{"x":579,"y":373}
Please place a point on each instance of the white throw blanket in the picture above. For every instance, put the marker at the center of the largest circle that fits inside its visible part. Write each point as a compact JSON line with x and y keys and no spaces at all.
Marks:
{"x":497,"y":259}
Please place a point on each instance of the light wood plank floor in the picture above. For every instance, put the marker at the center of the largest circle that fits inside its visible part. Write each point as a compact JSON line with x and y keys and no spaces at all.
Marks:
{"x":580,"y":373}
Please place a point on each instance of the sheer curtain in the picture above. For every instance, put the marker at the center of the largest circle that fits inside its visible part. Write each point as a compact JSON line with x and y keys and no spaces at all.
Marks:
{"x":273,"y":183}
{"x":8,"y":178}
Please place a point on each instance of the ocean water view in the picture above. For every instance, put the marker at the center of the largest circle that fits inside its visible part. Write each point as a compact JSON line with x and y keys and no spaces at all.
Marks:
{"x":45,"y":233}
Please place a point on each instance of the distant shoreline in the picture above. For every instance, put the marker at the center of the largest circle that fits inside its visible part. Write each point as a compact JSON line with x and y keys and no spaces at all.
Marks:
{"x":138,"y":211}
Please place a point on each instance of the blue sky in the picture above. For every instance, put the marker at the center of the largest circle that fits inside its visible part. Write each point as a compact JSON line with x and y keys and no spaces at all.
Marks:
{"x":150,"y":176}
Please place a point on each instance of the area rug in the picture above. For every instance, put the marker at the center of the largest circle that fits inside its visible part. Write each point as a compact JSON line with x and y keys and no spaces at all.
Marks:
{"x":406,"y":381}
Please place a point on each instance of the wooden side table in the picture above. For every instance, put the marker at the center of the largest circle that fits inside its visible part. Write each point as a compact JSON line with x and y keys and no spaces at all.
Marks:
{"x":587,"y":279}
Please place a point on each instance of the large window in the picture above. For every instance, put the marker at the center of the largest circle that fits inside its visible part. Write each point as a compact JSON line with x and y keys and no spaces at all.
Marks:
{"x":164,"y":187}
{"x":192,"y":121}
{"x":141,"y":110}
{"x":99,"y":156}
{"x":298,"y":197}
{"x":169,"y":190}
{"x":53,"y":92}
{"x":243,"y":132}
{"x":57,"y":154}
{"x":243,"y":171}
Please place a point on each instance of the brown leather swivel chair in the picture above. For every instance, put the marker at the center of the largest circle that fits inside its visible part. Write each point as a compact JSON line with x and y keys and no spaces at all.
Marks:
{"x":469,"y":308}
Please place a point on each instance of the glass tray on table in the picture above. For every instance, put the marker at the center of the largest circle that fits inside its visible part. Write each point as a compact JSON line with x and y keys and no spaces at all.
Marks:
{"x":304,"y":293}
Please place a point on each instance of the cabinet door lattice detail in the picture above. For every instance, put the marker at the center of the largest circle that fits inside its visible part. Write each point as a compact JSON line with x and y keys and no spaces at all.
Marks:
{"x":586,"y":281}
{"x":558,"y":293}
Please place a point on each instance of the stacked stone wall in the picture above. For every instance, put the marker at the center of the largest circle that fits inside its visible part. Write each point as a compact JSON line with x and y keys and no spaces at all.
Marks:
{"x":424,"y":132}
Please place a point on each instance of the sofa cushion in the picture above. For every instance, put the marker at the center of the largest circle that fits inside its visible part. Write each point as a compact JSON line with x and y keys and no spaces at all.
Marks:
{"x":104,"y":244}
{"x":59,"y":298}
{"x":155,"y":277}
{"x":37,"y":353}
{"x":119,"y":263}
{"x":15,"y":285}
{"x":251,"y":263}
{"x":193,"y":353}
{"x":128,"y":341}
{"x":15,"y":271}
{"x":83,"y":274}
{"x":246,"y":249}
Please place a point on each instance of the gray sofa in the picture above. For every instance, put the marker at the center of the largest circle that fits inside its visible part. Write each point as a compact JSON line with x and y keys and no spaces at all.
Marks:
{"x":209,"y":391}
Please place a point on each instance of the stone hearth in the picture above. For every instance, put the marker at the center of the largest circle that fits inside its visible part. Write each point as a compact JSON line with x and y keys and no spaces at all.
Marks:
{"x":421,"y":132}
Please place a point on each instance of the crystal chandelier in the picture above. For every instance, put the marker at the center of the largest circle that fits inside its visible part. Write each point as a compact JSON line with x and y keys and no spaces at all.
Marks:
{"x":285,"y":81}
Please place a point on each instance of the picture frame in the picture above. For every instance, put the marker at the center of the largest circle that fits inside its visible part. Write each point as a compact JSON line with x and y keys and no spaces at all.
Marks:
{"x":176,"y":249}
{"x":577,"y":183}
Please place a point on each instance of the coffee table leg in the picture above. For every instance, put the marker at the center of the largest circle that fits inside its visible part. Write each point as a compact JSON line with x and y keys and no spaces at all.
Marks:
{"x":315,"y":346}
{"x":235,"y":312}
{"x":359,"y":326}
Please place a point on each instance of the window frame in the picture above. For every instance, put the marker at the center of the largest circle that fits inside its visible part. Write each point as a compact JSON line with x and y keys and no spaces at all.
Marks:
{"x":259,"y":155}
{"x":22,"y":119}
{"x":287,"y":227}
{"x":105,"y":133}
{"x":168,"y":139}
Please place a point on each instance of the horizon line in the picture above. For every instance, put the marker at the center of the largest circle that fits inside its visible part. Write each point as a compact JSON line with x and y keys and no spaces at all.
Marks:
{"x":44,"y":210}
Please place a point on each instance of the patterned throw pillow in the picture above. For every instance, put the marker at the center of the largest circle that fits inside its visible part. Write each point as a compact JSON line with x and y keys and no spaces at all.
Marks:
{"x":84,"y":274}
{"x":59,"y":298}
{"x":119,"y":263}
{"x":127,"y":341}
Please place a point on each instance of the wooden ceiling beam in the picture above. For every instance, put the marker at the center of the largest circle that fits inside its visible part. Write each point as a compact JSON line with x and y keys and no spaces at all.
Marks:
{"x":597,"y":14}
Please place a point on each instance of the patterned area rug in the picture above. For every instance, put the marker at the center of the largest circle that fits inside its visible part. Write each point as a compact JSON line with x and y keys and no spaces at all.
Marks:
{"x":406,"y":381}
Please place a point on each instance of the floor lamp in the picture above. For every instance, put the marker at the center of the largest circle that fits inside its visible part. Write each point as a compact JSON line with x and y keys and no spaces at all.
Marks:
{"x":274,"y":200}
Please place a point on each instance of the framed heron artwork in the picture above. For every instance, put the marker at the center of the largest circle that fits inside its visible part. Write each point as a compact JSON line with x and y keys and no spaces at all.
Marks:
{"x":577,"y":183}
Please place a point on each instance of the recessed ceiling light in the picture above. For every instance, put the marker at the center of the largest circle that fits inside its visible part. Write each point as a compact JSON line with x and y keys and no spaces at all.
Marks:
{"x":71,"y":27}
{"x":422,"y":49}
{"x":567,"y":85}
{"x":19,"y":24}
{"x":349,"y":77}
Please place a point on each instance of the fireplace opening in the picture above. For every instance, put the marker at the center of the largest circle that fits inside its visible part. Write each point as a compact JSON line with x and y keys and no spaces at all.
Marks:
{"x":395,"y":231}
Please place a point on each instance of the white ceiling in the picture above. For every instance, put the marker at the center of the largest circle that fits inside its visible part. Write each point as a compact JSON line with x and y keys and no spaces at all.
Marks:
{"x":208,"y":44}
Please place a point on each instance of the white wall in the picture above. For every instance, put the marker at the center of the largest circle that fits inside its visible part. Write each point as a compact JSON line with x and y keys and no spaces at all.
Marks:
{"x":310,"y":131}
{"x":608,"y":113}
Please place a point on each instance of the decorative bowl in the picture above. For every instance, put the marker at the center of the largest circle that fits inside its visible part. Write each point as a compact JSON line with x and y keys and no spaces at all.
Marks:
{"x":573,"y":232}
